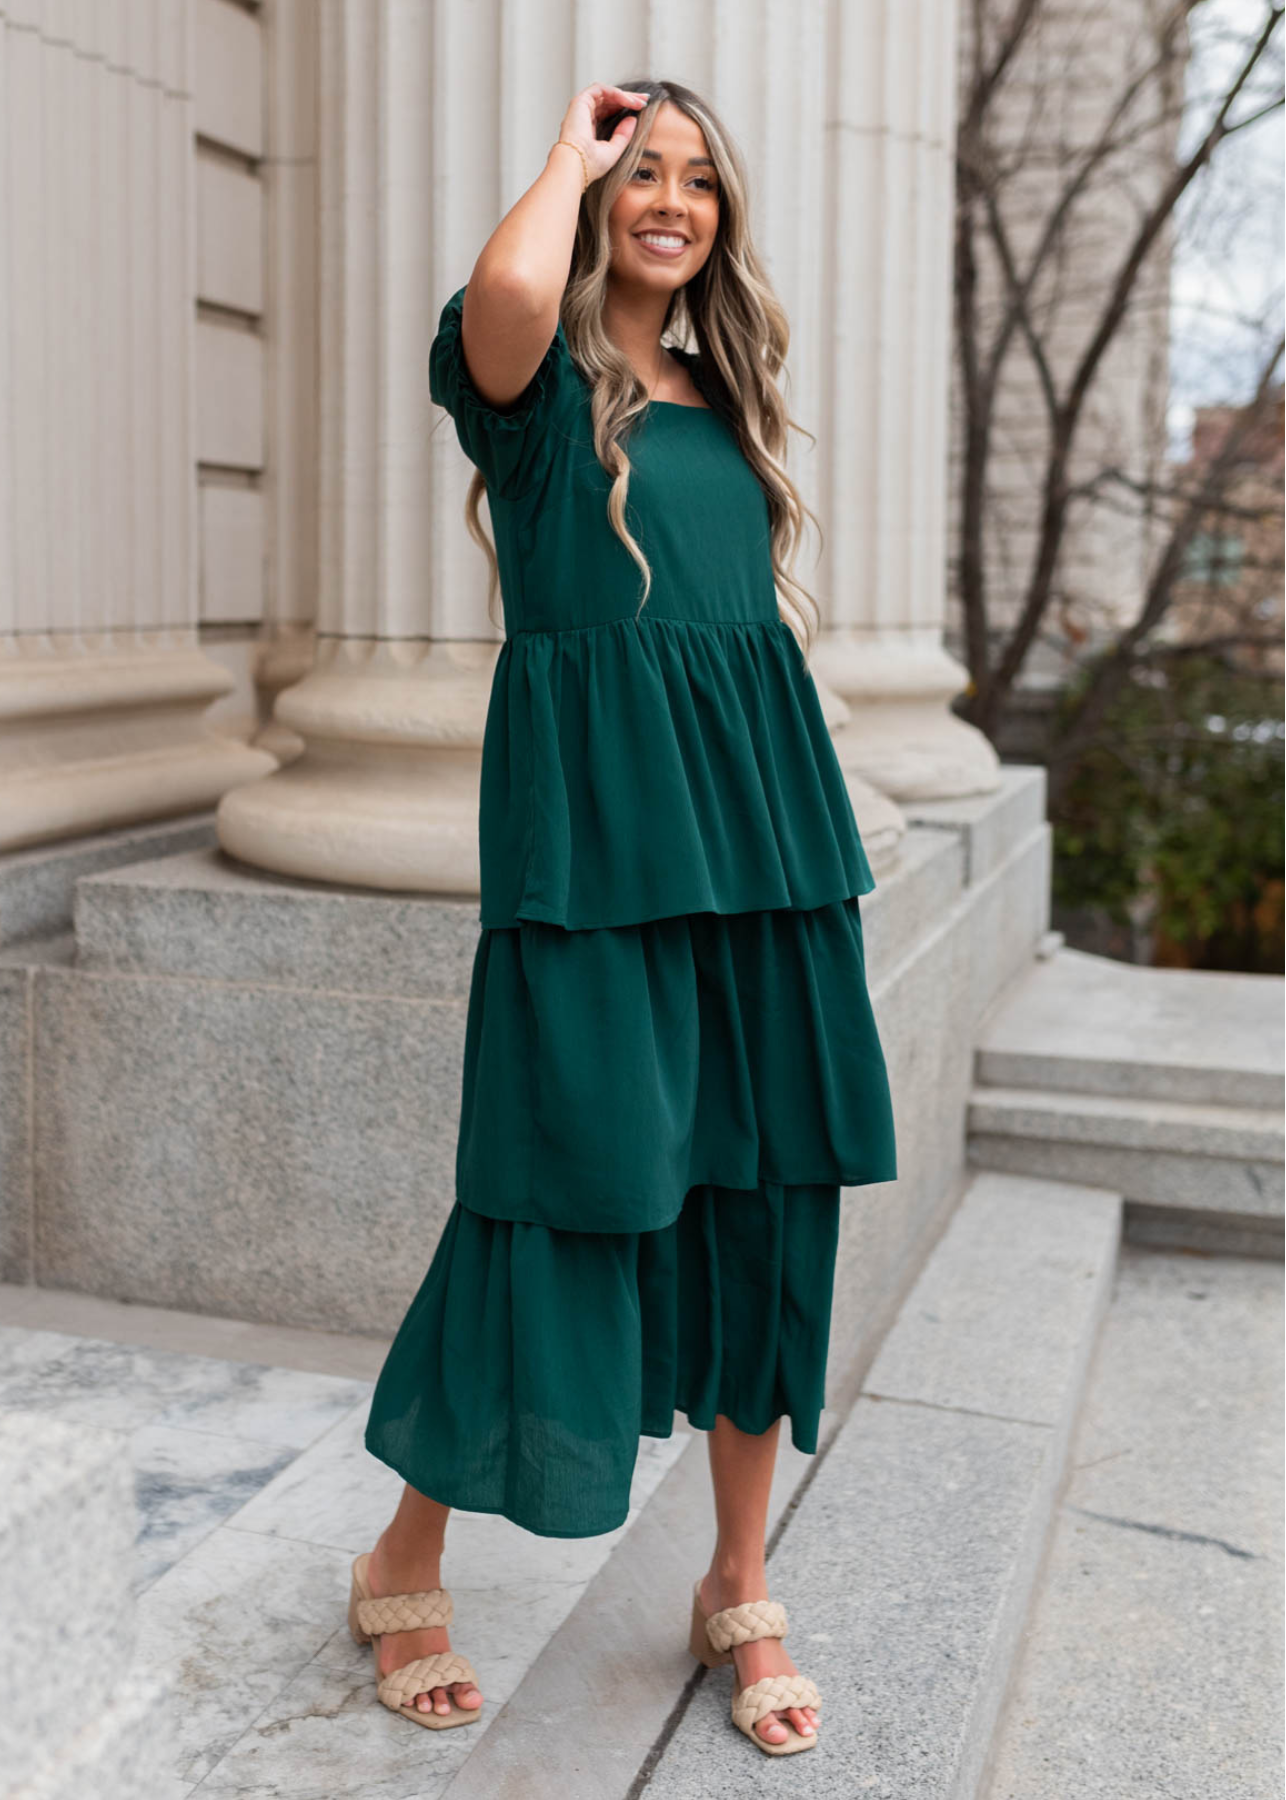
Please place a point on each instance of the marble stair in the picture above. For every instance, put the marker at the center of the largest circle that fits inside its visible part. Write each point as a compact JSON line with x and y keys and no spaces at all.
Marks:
{"x":1165,"y":1085}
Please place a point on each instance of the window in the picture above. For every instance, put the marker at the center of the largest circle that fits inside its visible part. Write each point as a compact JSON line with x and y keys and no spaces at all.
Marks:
{"x":1214,"y":558}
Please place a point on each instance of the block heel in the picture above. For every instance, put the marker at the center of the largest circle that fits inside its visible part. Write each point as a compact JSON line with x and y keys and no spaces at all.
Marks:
{"x":711,"y":1641}
{"x":369,"y":1618}
{"x":699,"y":1638}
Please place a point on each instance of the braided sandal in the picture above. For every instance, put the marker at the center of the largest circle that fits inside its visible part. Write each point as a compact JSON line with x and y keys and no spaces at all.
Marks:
{"x":369,"y":1619}
{"x":714,"y":1637}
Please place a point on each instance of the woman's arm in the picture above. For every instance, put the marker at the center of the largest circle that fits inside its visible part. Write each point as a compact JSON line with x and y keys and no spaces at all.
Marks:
{"x":513,"y":295}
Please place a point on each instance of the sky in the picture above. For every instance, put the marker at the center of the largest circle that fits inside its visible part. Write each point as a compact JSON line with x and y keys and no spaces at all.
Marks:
{"x":1227,"y":275}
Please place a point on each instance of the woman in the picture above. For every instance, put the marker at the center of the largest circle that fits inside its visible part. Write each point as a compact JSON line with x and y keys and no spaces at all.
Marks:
{"x":671,"y":1064}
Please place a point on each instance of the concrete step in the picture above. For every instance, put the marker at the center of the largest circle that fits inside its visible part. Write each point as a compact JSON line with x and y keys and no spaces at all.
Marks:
{"x":1165,"y":1085}
{"x":1226,"y":1133}
{"x":911,"y":1558}
{"x":907,"y":1550}
{"x":1078,"y":1023}
{"x":1214,"y":1173}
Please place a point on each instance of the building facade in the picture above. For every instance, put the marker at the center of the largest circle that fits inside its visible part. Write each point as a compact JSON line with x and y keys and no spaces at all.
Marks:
{"x":232,"y":552}
{"x":245,"y":655}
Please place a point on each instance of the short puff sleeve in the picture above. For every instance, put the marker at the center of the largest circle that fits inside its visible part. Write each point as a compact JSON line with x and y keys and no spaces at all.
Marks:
{"x":511,"y":447}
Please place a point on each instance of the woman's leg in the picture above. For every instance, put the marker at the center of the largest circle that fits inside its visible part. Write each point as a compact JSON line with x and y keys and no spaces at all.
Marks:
{"x":742,"y":1468}
{"x":407,"y":1560}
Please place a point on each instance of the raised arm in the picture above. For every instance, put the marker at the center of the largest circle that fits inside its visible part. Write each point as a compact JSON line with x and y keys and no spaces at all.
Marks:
{"x":513,"y":295}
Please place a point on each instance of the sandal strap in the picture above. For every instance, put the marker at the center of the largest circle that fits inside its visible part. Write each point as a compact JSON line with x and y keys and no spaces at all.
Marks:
{"x":405,"y":1612}
{"x":775,"y":1693}
{"x":745,"y":1623}
{"x":400,"y":1686}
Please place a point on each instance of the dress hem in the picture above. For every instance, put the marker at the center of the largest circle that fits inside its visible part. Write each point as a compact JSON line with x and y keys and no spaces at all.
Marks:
{"x":532,"y":913}
{"x":512,"y":1218}
{"x":806,"y":1447}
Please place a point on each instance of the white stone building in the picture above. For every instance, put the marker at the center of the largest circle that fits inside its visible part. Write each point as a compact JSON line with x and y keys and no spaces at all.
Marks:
{"x":244,"y":647}
{"x":1086,"y":76}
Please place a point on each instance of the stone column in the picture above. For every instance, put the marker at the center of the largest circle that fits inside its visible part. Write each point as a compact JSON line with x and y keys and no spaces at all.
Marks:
{"x":887,"y":332}
{"x":429,"y":127}
{"x":385,"y":790}
{"x":288,"y":168}
{"x":102,"y":681}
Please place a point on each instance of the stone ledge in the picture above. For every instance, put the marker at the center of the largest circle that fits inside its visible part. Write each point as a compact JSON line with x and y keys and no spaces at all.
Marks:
{"x":205,"y":916}
{"x":193,"y":1334}
{"x":1242,"y":1193}
{"x":990,"y":826}
{"x":37,"y":885}
{"x":1208,"y":1232}
{"x":271,"y":1154}
{"x":1113,"y":1122}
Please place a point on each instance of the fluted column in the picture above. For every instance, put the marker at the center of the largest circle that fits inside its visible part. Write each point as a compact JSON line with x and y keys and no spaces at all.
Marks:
{"x":888,"y":283}
{"x":430,"y":124}
{"x":391,"y":713}
{"x":102,"y":681}
{"x":288,"y":170}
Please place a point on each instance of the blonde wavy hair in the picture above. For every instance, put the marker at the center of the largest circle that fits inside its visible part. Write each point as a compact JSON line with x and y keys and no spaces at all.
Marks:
{"x":741,"y":334}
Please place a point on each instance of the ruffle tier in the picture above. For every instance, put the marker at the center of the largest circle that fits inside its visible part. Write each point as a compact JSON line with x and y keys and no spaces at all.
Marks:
{"x":609,"y":1071}
{"x":531,"y":1361}
{"x":639,"y":770}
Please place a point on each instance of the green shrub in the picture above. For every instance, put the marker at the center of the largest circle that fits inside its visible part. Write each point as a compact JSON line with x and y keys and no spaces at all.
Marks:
{"x":1176,"y":811}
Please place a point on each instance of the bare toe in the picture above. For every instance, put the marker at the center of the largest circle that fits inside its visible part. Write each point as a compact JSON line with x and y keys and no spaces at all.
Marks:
{"x":771,"y":1729}
{"x":798,"y":1716}
{"x":467,"y":1696}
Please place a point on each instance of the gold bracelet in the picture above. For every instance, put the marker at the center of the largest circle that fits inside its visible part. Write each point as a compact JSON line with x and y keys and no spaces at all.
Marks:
{"x":584,"y":159}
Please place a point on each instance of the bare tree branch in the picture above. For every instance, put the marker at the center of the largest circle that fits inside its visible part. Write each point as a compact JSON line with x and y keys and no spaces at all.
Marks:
{"x":1110,"y":674}
{"x":1054,"y":512}
{"x":1215,"y":505}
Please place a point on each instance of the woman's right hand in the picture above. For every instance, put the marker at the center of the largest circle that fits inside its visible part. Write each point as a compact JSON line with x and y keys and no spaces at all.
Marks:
{"x":580,"y":124}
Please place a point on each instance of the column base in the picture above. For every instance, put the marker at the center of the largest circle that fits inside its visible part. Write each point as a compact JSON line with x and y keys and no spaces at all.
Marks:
{"x":385,"y":791}
{"x":901,"y":736}
{"x":97,"y":740}
{"x":880,"y":822}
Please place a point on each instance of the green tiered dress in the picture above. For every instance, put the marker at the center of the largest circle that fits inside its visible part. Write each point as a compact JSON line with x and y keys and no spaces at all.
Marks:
{"x":671,"y":1065}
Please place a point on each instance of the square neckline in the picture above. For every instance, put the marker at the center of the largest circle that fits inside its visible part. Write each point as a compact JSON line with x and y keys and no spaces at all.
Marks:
{"x":692,"y":363}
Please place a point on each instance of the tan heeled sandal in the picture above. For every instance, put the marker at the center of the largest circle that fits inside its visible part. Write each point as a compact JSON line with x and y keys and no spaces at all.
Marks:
{"x":713,"y":1639}
{"x":369,"y":1618}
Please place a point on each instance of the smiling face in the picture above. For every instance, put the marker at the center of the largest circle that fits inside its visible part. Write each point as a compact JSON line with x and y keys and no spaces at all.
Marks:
{"x":664,"y":220}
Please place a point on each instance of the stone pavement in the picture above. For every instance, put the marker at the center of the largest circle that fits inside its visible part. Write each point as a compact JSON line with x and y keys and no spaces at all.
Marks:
{"x":1152,"y":1663}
